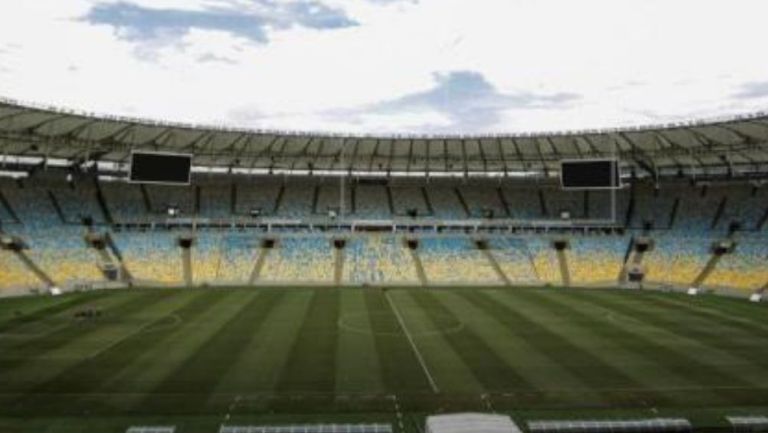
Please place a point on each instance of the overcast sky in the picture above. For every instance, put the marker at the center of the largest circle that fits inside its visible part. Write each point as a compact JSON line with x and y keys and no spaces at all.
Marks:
{"x":390,"y":66}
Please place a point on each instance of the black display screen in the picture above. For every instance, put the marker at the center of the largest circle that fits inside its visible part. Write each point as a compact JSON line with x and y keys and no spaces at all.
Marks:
{"x":147,"y":167}
{"x":590,"y":174}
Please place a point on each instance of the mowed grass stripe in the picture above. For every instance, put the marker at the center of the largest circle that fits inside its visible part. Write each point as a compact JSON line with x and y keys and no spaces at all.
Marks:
{"x":749,"y":314}
{"x":36,"y":309}
{"x":357,"y":362}
{"x":121,"y":366}
{"x":240,"y":363}
{"x":700,"y":336}
{"x":56,"y":393}
{"x":722,"y":326}
{"x":132,"y":388}
{"x":68,"y":343}
{"x":49,"y":325}
{"x":602,"y":377}
{"x":653,"y":364}
{"x":311,"y":366}
{"x":491,"y":370}
{"x":110,"y":366}
{"x":671,"y":348}
{"x":414,"y":347}
{"x":400,"y":369}
{"x":255,"y":375}
{"x":430,"y":335}
{"x":199,"y":375}
{"x":675,"y":352}
{"x":540,"y":368}
{"x":11,"y":307}
{"x":742,"y":322}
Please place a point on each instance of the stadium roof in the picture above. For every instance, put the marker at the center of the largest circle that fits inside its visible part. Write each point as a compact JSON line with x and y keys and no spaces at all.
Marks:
{"x":739,"y":145}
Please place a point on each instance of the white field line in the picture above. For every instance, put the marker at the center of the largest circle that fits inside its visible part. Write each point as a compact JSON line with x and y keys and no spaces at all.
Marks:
{"x":487,"y":401}
{"x":413,"y":344}
{"x":231,"y":408}
{"x":399,"y":414}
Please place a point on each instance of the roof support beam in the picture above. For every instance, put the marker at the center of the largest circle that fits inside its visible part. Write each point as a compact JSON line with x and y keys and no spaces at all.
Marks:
{"x":639,"y":155}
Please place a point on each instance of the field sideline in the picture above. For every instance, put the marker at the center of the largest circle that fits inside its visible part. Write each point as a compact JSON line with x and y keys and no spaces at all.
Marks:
{"x":198,"y":358}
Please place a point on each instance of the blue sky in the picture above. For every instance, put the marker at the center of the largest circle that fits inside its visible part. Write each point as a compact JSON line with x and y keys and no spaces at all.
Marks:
{"x":142,"y":24}
{"x":390,"y":66}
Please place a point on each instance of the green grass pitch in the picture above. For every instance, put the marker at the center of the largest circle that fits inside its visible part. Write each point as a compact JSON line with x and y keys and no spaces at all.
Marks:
{"x":199,"y":358}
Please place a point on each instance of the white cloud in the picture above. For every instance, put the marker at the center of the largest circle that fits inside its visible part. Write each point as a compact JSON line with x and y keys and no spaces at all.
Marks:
{"x":630,"y":61}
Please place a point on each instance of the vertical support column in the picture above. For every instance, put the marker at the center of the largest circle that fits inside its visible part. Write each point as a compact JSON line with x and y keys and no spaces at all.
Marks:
{"x":267,"y":245}
{"x":390,"y":201}
{"x":504,"y":202}
{"x":463,"y":202}
{"x":718,"y":250}
{"x":106,"y":263}
{"x":124,"y":273}
{"x":34,"y":268}
{"x":279,"y":199}
{"x":185,"y":243}
{"x":561,"y":246}
{"x":413,"y":246}
{"x":338,"y":255}
{"x":17,"y":246}
{"x":634,"y":263}
{"x":427,"y":200}
{"x":482,"y":245}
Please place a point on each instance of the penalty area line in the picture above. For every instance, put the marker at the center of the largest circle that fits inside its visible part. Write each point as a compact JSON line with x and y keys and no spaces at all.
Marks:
{"x":415,"y":348}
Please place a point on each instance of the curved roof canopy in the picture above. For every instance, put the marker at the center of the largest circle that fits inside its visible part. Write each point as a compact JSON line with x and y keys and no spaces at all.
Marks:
{"x":737,"y":144}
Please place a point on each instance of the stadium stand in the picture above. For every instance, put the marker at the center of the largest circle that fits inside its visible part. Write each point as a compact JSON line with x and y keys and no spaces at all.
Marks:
{"x":524,"y":203}
{"x":597,"y":259}
{"x":63,"y":254}
{"x":33,"y":205}
{"x":14,"y":274}
{"x":453,"y":228}
{"x":371,"y":202}
{"x":653,"y":206}
{"x":677,"y":259}
{"x":207,"y":257}
{"x":329,"y":198}
{"x":125,"y":201}
{"x":77,"y":200}
{"x":407,"y":198}
{"x":514,"y":258}
{"x":746,"y":269}
{"x":299,"y":259}
{"x":152,"y":256}
{"x":559,"y":203}
{"x":745,"y":203}
{"x":454,"y":260}
{"x":215,"y":199}
{"x":297,"y":200}
{"x":238,"y":256}
{"x":698,"y":208}
{"x":447,"y":202}
{"x":258,"y":195}
{"x":607,"y":205}
{"x":161,"y":197}
{"x":48,"y":213}
{"x":545,"y":260}
{"x":379,"y":259}
{"x":483,"y":201}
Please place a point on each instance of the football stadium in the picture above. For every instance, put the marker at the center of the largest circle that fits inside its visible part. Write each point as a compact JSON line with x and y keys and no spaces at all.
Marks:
{"x":208,"y":277}
{"x":181,"y":253}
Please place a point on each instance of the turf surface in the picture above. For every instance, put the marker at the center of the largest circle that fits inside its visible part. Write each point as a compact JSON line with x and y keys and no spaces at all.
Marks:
{"x":199,"y":358}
